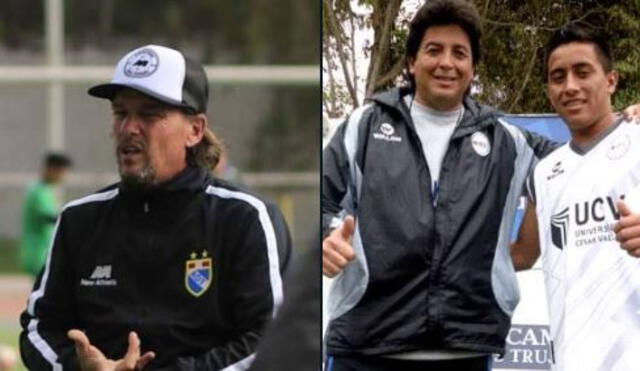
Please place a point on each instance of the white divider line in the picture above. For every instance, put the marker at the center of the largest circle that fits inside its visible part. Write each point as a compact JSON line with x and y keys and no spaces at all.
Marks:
{"x":232,"y":74}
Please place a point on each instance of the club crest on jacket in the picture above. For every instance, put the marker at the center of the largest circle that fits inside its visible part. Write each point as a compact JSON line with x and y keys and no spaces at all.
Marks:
{"x":198,"y":274}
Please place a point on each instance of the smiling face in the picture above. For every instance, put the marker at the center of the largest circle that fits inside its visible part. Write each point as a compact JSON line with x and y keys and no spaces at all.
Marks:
{"x":580,"y":89}
{"x":151,"y":138}
{"x":442,"y":67}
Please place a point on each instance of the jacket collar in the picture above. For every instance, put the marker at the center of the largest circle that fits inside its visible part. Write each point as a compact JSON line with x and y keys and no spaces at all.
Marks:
{"x":476,"y":115}
{"x":189,"y":180}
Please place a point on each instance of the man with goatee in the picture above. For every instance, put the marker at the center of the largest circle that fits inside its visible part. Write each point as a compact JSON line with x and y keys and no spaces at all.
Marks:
{"x":170,"y":268}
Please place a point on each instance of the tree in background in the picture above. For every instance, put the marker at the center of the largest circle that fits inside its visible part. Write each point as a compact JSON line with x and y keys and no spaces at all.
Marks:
{"x":514,"y":37}
{"x":346,"y":82}
{"x":510,"y":72}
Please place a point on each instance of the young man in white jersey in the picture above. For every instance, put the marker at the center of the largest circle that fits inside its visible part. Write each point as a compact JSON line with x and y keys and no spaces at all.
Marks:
{"x":593,"y":285}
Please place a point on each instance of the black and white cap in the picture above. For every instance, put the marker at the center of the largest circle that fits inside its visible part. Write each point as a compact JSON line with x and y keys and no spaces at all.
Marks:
{"x":162,"y":73}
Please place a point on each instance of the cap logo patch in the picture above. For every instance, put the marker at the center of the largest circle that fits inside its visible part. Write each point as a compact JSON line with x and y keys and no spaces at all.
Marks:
{"x":142,"y":64}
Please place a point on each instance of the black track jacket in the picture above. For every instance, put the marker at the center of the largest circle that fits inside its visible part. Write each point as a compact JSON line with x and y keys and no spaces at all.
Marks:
{"x":194,"y":267}
{"x":425,"y":277}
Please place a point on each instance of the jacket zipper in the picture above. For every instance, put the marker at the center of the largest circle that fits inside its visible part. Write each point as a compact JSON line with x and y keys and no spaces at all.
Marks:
{"x":435,"y":238}
{"x":434,"y":279}
{"x":432,"y":321}
{"x":142,"y":305}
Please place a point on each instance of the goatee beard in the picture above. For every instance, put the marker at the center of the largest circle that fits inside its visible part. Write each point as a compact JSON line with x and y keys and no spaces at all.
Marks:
{"x":140,"y":181}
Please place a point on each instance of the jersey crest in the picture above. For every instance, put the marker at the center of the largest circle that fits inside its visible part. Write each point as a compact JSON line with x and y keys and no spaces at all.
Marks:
{"x":198,"y":274}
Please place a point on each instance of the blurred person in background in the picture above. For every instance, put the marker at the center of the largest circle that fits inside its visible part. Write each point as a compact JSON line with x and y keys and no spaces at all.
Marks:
{"x":40,"y":211}
{"x":170,"y":268}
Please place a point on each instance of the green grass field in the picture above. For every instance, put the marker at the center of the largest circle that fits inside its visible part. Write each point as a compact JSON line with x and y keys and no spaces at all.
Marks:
{"x":9,"y":335}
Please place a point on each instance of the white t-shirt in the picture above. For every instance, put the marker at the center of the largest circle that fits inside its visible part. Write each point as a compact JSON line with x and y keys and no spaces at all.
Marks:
{"x":593,"y":286}
{"x":434,"y":129}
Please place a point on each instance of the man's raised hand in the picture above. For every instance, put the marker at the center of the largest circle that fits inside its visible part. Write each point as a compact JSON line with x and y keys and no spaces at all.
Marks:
{"x":337,"y":249}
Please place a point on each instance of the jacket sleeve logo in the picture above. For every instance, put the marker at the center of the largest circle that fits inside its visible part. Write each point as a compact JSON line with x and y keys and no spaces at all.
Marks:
{"x":101,"y":276}
{"x":198,"y":274}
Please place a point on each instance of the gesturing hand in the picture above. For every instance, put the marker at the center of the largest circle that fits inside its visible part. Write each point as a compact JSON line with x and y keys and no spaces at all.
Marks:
{"x":91,"y":358}
{"x":337,"y":251}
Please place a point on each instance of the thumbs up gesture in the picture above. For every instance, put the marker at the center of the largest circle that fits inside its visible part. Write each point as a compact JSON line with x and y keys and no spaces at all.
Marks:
{"x":337,"y":249}
{"x":628,"y":230}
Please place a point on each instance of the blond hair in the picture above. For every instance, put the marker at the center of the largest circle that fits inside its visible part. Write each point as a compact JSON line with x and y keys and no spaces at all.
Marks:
{"x":207,"y":153}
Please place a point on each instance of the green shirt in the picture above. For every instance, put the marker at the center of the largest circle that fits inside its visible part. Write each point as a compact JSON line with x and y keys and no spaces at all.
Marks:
{"x":39,"y":212}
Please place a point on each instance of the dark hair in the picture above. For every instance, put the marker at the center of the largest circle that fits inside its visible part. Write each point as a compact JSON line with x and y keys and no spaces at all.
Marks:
{"x":442,"y":13}
{"x":574,"y":32}
{"x":57,"y":159}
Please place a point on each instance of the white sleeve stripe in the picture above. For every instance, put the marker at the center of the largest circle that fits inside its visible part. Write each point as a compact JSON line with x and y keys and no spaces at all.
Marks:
{"x":531,"y":186}
{"x":525,"y":155}
{"x":42,"y":346}
{"x":351,"y":132}
{"x":103,"y":196}
{"x":503,"y":276}
{"x":37,"y":340}
{"x":38,"y":293}
{"x":354,"y":185}
{"x":270,"y":236}
{"x":241,"y":365}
